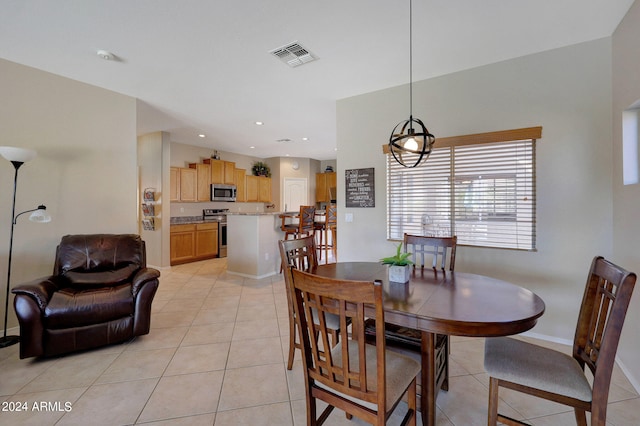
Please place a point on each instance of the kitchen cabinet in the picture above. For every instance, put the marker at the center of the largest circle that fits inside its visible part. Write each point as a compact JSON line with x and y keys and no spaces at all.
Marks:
{"x":203,"y":181}
{"x":258,"y":189}
{"x":191,"y":242}
{"x":182,"y":244}
{"x":325,"y":181}
{"x":241,"y":194}
{"x":206,"y":240}
{"x":174,"y":188}
{"x":188,"y":184}
{"x":222,"y":171}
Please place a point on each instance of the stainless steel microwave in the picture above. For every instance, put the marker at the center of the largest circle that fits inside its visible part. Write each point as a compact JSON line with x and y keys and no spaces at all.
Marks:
{"x":220,"y":192}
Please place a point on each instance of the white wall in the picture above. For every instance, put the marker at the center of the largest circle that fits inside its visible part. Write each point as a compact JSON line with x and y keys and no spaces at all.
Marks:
{"x":626,"y":199}
{"x":568,"y":92}
{"x":85,"y":171}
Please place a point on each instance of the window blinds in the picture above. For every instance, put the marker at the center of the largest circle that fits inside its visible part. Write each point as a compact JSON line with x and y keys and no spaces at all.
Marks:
{"x":482,"y":192}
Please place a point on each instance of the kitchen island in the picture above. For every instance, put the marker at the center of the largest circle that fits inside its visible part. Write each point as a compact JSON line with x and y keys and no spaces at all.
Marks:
{"x":252,"y":245}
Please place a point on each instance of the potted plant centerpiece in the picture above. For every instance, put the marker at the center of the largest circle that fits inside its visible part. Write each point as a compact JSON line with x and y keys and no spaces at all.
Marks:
{"x":399,"y":266}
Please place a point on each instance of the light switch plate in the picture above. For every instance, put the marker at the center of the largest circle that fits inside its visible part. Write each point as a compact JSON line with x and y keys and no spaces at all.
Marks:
{"x":348,"y":217}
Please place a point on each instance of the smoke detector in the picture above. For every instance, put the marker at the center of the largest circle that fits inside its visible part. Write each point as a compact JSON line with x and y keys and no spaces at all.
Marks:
{"x":293,"y":54}
{"x":106,"y":55}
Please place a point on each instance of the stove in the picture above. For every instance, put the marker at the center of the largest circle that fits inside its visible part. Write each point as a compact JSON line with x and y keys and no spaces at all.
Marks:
{"x":220,"y":216}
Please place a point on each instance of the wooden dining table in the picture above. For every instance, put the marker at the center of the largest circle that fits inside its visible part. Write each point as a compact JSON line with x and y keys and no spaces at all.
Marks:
{"x":439,"y":302}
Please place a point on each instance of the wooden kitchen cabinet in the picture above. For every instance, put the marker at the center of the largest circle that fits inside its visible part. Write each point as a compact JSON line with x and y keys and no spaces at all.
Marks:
{"x":191,"y":242}
{"x":324,"y":181}
{"x":241,"y":192}
{"x":206,"y":240}
{"x":182,"y":244}
{"x":203,"y":181}
{"x":222,"y":171}
{"x":174,"y":188}
{"x":258,"y":189}
{"x":188,"y":184}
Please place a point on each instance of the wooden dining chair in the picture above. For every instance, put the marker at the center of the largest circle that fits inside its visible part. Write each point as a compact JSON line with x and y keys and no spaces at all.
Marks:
{"x":301,"y":254}
{"x":305,"y":225}
{"x":436,"y":247}
{"x":409,"y":339}
{"x":364,"y":380}
{"x":555,"y":376}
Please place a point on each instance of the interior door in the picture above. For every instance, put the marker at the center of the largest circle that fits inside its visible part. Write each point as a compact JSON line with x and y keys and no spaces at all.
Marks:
{"x":296,"y":194}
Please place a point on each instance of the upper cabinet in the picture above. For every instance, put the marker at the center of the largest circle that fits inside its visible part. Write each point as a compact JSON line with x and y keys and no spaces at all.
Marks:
{"x":325,"y":181}
{"x":203,"y":173}
{"x":258,"y":189}
{"x":184,"y":184}
{"x":241,"y":192}
{"x":222,"y":171}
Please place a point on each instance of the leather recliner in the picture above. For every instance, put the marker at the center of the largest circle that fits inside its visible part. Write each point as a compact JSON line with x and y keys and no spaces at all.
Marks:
{"x":100,"y":293}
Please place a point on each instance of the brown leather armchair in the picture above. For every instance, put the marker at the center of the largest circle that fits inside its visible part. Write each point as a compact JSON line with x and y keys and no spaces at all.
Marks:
{"x":100,"y":293}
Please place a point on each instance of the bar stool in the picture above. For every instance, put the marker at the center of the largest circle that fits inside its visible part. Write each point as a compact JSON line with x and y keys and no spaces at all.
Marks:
{"x":330,"y":224}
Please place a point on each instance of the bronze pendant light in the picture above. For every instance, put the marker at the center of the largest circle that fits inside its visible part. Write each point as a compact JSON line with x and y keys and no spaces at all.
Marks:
{"x":405,"y":139}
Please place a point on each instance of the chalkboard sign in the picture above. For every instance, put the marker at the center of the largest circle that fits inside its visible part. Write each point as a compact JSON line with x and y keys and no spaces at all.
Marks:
{"x":360,"y":187}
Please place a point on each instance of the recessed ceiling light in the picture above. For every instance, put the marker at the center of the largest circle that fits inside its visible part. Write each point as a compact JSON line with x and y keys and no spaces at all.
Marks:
{"x":305,"y":139}
{"x":286,"y":155}
{"x":259,"y":123}
{"x":252,"y":147}
{"x":201,"y":135}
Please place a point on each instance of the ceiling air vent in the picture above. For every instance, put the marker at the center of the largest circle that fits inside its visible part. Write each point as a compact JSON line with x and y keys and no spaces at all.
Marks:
{"x":293,"y":54}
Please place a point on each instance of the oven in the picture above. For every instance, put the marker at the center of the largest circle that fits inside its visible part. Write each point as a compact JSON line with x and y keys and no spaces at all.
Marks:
{"x":220,"y":216}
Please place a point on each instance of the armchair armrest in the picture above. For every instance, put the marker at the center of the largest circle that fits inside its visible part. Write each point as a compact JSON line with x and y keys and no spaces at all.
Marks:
{"x":143,"y":276}
{"x":40,"y":289}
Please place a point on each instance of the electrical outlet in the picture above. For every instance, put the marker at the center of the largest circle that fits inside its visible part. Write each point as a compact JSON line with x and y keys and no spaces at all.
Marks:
{"x":266,"y":256}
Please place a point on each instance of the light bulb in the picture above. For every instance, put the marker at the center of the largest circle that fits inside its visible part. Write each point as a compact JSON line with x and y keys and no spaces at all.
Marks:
{"x":411,"y":144}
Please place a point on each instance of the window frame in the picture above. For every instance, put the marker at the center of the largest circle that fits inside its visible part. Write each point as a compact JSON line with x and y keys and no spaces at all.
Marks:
{"x":513,"y":222}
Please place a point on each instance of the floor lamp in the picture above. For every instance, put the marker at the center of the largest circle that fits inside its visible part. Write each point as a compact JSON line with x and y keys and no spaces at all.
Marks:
{"x":17,"y":156}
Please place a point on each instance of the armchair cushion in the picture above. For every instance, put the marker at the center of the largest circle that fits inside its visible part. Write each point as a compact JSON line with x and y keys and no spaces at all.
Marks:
{"x":101,"y":278}
{"x":71,"y":307}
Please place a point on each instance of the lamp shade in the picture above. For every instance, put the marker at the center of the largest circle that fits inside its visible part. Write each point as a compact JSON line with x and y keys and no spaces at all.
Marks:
{"x":40,"y":215}
{"x":21,"y":155}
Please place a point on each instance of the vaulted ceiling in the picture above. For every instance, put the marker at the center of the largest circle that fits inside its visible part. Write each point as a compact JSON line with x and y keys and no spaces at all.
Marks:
{"x":205,"y":67}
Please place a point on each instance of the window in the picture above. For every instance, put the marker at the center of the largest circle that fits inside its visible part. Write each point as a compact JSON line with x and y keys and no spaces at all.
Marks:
{"x":478,"y":187}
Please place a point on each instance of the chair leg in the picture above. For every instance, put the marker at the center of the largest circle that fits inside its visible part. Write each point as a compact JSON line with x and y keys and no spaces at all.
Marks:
{"x":493,"y":402}
{"x":581,"y":418}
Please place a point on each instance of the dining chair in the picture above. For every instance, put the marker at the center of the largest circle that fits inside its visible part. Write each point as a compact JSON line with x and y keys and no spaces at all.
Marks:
{"x":436,"y":247}
{"x":408,"y":340}
{"x":555,"y":376}
{"x":364,"y":380}
{"x":301,"y":254}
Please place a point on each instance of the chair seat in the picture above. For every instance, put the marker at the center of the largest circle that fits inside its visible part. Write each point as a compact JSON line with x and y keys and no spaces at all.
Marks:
{"x":400,"y":372}
{"x":72,"y":307}
{"x":531,"y":365}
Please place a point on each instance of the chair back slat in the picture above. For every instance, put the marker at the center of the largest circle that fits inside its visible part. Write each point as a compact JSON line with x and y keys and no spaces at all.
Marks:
{"x":602,"y":313}
{"x":343,"y":370}
{"x":436,"y":247}
{"x":307,"y":219}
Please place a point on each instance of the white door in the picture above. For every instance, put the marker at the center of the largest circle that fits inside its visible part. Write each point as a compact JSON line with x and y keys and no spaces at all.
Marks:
{"x":295,"y":194}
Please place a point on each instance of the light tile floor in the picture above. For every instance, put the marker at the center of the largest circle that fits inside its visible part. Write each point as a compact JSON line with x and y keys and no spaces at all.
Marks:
{"x":216,"y":355}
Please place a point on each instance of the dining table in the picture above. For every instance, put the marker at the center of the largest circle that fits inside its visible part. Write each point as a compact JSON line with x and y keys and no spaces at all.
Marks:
{"x":445,"y":302}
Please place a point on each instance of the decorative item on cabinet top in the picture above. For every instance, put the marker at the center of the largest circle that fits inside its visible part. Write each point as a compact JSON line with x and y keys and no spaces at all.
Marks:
{"x":148,"y":209}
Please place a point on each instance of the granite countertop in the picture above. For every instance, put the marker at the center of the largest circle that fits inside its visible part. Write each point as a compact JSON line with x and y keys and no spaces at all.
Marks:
{"x":187,"y":220}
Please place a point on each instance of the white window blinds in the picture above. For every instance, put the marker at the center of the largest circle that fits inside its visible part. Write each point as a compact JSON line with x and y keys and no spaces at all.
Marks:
{"x":482,"y":192}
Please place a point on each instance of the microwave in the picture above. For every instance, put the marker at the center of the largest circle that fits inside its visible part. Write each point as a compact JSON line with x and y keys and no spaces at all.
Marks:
{"x":220,"y":192}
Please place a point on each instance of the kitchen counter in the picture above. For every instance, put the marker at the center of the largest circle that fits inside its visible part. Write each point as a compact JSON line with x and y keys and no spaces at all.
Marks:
{"x":252,"y":245}
{"x":184,"y":220}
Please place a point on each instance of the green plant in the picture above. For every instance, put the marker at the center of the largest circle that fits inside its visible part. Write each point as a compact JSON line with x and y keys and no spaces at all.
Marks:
{"x":258,"y":168}
{"x":400,"y":259}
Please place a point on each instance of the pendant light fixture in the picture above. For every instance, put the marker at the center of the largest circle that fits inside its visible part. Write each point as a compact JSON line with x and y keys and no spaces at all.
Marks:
{"x":410,"y":137}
